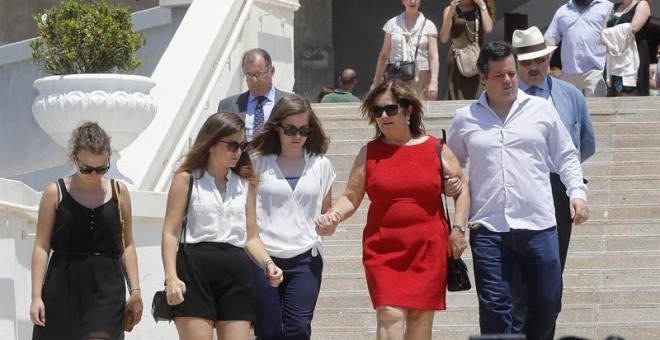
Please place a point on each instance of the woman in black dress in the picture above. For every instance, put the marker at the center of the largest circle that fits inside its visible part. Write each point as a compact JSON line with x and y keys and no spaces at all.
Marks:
{"x":82,"y":295}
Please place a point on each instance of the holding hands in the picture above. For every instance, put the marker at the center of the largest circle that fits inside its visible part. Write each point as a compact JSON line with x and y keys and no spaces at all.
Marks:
{"x":327,"y":223}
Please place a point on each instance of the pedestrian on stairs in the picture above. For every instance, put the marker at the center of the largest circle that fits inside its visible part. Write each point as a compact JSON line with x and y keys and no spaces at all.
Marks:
{"x":406,"y":242}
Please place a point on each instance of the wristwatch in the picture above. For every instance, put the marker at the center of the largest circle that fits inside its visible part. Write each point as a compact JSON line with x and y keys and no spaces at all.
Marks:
{"x":460,"y":227}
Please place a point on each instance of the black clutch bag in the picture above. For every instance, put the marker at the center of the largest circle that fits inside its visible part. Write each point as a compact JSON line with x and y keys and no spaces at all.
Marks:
{"x":160,"y":310}
{"x":457,"y":275}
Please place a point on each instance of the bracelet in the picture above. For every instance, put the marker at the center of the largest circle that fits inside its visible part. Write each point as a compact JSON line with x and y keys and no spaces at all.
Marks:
{"x":132,"y":289}
{"x":267,"y":263}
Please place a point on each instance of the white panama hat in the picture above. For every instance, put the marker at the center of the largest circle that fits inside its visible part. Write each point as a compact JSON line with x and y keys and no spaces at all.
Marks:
{"x":530,"y":44}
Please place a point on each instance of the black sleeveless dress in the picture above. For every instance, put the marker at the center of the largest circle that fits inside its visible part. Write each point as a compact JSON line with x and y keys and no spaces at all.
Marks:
{"x":84,"y":291}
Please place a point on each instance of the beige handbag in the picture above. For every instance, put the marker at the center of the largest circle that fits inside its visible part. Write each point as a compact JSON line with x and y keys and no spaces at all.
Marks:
{"x":466,"y":58}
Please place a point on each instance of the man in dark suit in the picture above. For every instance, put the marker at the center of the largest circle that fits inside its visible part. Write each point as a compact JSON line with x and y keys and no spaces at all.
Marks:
{"x":255,"y":105}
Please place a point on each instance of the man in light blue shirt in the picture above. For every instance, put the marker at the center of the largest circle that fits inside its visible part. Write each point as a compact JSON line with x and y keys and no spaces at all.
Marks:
{"x":513,"y":141}
{"x":533,"y":65}
{"x":578,"y":25}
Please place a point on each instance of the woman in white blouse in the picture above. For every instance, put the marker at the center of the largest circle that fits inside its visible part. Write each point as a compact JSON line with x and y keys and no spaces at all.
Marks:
{"x":295,"y":188}
{"x":403,"y":34}
{"x":209,"y":279}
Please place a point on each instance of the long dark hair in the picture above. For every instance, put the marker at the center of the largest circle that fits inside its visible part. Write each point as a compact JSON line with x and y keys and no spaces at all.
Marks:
{"x":268,"y":141}
{"x":216,"y":127}
{"x":405,"y":95}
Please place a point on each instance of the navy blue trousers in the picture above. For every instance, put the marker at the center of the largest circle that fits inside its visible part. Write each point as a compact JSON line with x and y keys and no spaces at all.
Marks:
{"x":495,"y":257}
{"x":286,"y":312}
{"x":564,"y":229}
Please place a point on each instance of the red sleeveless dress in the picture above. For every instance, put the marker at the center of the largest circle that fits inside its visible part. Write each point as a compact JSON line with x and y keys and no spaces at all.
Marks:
{"x":405,"y":239}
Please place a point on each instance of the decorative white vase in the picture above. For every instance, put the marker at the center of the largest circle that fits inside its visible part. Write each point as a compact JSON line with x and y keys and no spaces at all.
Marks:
{"x":121,"y":104}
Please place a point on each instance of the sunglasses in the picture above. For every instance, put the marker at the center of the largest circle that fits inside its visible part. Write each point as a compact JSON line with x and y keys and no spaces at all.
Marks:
{"x":235,"y":146}
{"x":291,"y":130}
{"x":101,"y":170}
{"x":537,"y":61}
{"x":390,"y":110}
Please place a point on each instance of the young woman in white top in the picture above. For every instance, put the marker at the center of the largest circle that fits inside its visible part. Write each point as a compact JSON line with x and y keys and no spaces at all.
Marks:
{"x":209,"y":278}
{"x":295,"y":188}
{"x":402,"y":36}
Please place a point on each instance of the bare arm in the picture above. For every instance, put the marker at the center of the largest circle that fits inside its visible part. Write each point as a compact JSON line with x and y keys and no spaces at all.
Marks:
{"x":134,"y":303}
{"x":176,"y":207}
{"x":452,"y":168}
{"x":642,"y":15}
{"x":254,"y":246}
{"x":434,"y":65}
{"x":486,"y":20}
{"x":41,"y":250}
{"x":447,"y":15}
{"x":350,"y":200}
{"x":382,"y":60}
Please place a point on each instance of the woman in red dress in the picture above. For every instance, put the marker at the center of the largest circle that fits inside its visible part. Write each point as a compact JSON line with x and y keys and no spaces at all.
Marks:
{"x":406,"y":241}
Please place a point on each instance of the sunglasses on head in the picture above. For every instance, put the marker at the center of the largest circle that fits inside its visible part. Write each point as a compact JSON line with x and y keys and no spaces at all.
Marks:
{"x":537,"y":61}
{"x":234,"y":146}
{"x":84,"y":169}
{"x":291,"y":130}
{"x":390,"y":110}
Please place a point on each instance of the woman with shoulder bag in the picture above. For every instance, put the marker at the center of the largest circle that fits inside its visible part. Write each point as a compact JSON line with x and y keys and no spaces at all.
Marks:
{"x":410,"y":51}
{"x":464,"y":24}
{"x":208,"y":274}
{"x":85,"y":219}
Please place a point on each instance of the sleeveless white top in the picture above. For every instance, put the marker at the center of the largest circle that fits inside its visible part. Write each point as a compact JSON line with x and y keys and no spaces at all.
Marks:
{"x":212,"y":219}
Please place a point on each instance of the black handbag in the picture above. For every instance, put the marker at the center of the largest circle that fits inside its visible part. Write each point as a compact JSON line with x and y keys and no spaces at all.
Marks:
{"x":457,"y":272}
{"x":160,"y":309}
{"x":404,"y":70}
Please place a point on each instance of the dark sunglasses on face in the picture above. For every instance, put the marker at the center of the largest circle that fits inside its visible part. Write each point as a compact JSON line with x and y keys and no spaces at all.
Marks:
{"x":86,"y":170}
{"x":537,"y":61}
{"x":234,"y":146}
{"x":390,"y":110}
{"x":291,"y":130}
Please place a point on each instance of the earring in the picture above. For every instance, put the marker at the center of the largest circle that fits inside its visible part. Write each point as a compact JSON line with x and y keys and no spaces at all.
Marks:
{"x":408,"y":120}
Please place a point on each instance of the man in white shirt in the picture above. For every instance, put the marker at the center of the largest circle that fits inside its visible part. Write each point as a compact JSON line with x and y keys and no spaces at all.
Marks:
{"x":254,"y":105}
{"x":512,"y":139}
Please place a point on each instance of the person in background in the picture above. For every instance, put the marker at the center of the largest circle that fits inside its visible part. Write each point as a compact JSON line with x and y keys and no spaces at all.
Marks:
{"x":406,"y":241}
{"x":82,"y":295}
{"x":637,"y":13}
{"x":295,"y":189}
{"x":512,"y":141}
{"x":326,"y":90}
{"x":406,"y":33}
{"x":208,"y":275}
{"x":347,"y":81}
{"x":654,"y":70}
{"x":578,"y":26}
{"x":254,"y":105}
{"x":464,"y":22}
{"x":533,"y":79}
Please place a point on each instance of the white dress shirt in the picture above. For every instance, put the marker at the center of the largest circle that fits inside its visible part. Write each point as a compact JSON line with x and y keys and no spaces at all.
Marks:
{"x":212,"y":219}
{"x":509,"y":170}
{"x":285,"y":216}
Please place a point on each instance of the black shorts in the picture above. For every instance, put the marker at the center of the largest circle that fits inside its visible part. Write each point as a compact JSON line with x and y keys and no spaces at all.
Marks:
{"x":219,"y":282}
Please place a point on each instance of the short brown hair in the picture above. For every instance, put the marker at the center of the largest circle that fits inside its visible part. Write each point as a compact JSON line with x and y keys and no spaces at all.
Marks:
{"x":405,"y":95}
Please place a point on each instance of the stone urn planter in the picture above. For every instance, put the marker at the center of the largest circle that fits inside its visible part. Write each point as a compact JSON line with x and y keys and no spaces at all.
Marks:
{"x":121,"y":104}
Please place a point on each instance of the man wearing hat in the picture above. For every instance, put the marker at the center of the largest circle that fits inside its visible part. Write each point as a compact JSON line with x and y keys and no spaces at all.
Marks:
{"x":512,"y":141}
{"x":533,"y":65}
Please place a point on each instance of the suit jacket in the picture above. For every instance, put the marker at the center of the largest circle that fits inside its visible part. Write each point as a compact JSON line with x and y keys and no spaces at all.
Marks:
{"x":573,"y":111}
{"x":238,"y":103}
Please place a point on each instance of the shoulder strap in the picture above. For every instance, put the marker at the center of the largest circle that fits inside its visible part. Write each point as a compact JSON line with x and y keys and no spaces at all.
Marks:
{"x":61,"y":190}
{"x":115,"y":185}
{"x":419,"y":38}
{"x":184,"y":221}
{"x":440,"y":142}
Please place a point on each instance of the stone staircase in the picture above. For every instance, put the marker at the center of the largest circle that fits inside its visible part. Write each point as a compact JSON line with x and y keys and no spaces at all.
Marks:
{"x":612,"y":276}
